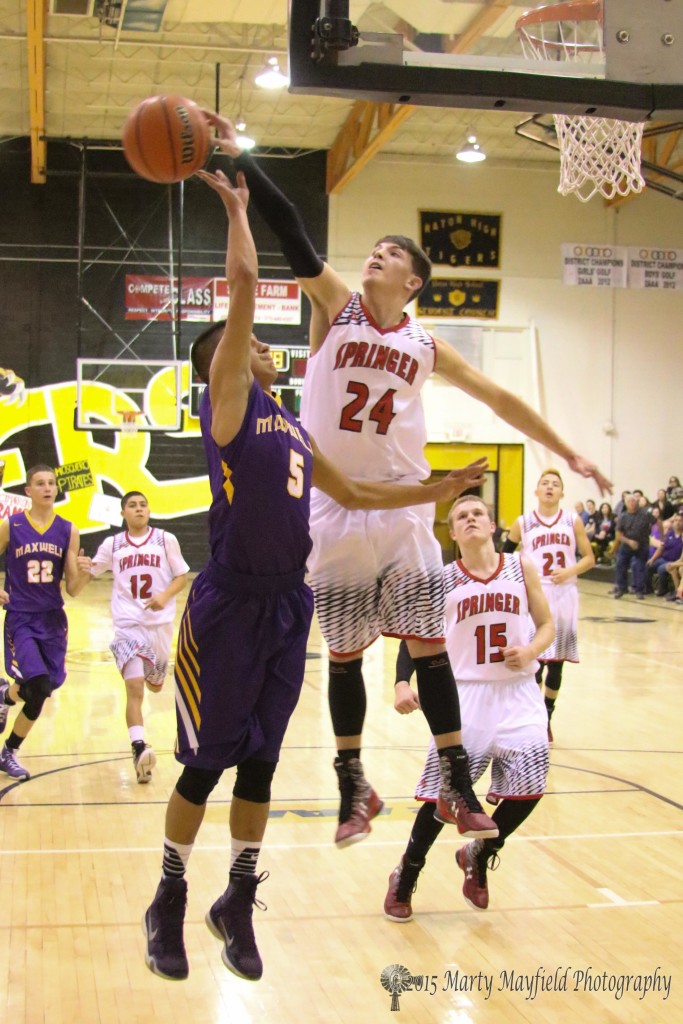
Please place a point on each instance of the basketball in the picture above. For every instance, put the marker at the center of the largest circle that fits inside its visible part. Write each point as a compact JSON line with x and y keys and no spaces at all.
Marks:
{"x":166,"y":138}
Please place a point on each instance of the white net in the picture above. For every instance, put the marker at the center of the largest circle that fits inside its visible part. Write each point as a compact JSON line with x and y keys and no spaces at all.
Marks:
{"x":129,"y":422}
{"x":597,"y":155}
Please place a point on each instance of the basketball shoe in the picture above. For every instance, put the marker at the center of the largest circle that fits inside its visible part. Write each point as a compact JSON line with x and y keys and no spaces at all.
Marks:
{"x":10,"y":765}
{"x":473,"y":860}
{"x":230,"y":919}
{"x":162,"y":926}
{"x":359,"y":802}
{"x":457,"y":804}
{"x":402,"y":885}
{"x":144,"y":760}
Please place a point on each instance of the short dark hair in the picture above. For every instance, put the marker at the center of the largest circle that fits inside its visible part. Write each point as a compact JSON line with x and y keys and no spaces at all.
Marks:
{"x":40,"y":467}
{"x":422,"y":265}
{"x":131,"y":494}
{"x":203,"y":348}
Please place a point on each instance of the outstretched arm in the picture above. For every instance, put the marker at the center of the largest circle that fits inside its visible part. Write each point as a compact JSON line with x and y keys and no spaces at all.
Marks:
{"x":230,"y":377}
{"x":356,"y":494}
{"x":323,"y":286}
{"x":452,"y":367}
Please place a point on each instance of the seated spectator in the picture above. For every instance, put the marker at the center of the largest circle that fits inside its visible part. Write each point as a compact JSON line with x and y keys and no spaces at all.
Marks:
{"x":580,"y":510}
{"x":667,"y":550}
{"x":631,"y":544}
{"x":592,"y":517}
{"x":666,"y":509}
{"x":674,"y":493}
{"x":604,"y":534}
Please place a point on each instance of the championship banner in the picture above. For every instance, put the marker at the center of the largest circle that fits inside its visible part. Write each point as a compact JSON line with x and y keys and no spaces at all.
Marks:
{"x":461,"y":239}
{"x":655,"y":268}
{"x":277,"y":302}
{"x":459,"y":297}
{"x":151,"y":298}
{"x":600,"y":266}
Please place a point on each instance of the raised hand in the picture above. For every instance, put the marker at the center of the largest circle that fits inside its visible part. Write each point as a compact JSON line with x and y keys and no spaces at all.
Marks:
{"x":235,"y":197}
{"x":226,"y":135}
{"x":588,"y":469}
{"x":459,"y":480}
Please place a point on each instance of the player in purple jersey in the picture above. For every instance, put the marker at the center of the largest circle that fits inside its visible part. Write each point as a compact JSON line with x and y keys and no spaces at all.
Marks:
{"x":41,"y":548}
{"x":392,"y":589}
{"x":242,"y":642}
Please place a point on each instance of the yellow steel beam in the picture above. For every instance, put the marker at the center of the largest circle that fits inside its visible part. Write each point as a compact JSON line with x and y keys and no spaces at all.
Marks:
{"x":35,"y":31}
{"x":354,"y":147}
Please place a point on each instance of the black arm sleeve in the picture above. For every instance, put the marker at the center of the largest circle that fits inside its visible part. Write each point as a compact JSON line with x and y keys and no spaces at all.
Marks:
{"x":509,"y":546}
{"x":282,"y":217}
{"x":404,"y":664}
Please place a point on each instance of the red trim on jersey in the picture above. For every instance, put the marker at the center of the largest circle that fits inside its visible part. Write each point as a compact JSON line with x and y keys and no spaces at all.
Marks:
{"x":543,"y":522}
{"x":478,"y":579}
{"x":425,"y":800}
{"x":129,"y":539}
{"x":433,"y":341}
{"x":505,"y":796}
{"x":373,"y":323}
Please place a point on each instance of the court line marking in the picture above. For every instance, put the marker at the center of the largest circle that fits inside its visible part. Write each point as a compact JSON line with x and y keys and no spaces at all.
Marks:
{"x":614,"y":900}
{"x":578,"y":837}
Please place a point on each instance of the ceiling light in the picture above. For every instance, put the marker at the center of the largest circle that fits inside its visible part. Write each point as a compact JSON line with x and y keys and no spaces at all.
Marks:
{"x":243,"y":141}
{"x":472,"y":153}
{"x":271,"y":77}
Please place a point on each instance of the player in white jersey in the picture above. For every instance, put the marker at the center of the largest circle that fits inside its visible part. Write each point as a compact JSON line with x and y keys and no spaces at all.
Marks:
{"x":551,"y":537}
{"x":376,"y":573}
{"x":490,"y":600}
{"x":149,"y":571}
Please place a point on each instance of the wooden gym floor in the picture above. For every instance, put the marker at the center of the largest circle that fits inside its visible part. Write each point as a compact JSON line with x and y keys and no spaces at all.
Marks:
{"x":587,"y":897}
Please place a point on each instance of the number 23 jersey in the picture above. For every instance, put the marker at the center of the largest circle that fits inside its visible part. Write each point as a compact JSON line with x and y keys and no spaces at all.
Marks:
{"x":361,"y":395}
{"x":549,"y":545}
{"x":143,"y":567}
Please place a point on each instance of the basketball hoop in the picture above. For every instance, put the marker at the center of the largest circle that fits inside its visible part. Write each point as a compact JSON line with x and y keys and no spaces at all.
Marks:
{"x":129,"y":420}
{"x":597,"y":154}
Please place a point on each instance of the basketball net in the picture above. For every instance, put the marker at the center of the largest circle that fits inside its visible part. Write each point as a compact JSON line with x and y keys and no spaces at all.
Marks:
{"x":597,"y":154}
{"x":129,"y":421}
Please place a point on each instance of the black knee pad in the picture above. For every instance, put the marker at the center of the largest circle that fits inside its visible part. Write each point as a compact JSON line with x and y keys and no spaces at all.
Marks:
{"x":196,"y":784}
{"x":34,"y":692}
{"x":553,"y":676}
{"x":346,"y":696}
{"x":253,"y":780}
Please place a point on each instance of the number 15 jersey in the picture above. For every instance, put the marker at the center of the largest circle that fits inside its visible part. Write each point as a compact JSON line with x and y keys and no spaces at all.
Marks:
{"x":361,"y":395}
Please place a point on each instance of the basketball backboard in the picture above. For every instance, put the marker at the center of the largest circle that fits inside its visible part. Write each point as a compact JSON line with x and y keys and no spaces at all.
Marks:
{"x":468,"y":54}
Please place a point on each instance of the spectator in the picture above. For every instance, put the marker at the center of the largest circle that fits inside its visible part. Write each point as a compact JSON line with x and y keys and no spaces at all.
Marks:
{"x":592,"y":518}
{"x":580,"y":510}
{"x":620,"y":505}
{"x":674,"y":492}
{"x":604,"y":533}
{"x":632,"y":543}
{"x":666,"y":509}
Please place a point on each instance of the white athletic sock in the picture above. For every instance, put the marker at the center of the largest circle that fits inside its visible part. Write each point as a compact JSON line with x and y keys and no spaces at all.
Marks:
{"x":176,"y":856}
{"x":243,"y":856}
{"x":136,"y":733}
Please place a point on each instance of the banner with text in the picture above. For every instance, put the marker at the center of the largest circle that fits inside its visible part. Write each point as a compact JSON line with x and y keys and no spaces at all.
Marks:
{"x":602,"y":266}
{"x":206,"y":298}
{"x":277,"y":302}
{"x":655,"y":268}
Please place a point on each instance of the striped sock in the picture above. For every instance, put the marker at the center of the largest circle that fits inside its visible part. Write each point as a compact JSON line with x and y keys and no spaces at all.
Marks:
{"x":243,"y":857}
{"x":176,"y":856}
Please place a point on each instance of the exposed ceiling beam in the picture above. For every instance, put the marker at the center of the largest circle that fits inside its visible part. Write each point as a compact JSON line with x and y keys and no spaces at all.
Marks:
{"x":35,"y":38}
{"x":353,"y":147}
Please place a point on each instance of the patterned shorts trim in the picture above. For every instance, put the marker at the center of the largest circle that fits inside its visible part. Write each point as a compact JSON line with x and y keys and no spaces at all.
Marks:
{"x":375,"y":573}
{"x":504,"y":725}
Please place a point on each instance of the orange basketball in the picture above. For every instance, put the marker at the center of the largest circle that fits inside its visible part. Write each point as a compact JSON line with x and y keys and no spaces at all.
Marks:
{"x":166,"y":138}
